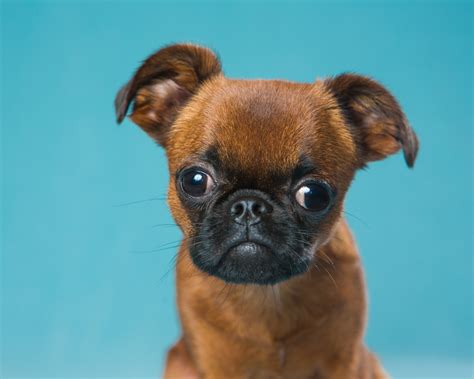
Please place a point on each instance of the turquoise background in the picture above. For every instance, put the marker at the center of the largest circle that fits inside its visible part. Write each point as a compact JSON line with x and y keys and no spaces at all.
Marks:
{"x":77,"y":297}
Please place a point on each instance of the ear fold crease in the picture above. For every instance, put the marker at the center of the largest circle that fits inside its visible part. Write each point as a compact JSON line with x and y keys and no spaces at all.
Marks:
{"x":375,"y":117}
{"x":163,"y":84}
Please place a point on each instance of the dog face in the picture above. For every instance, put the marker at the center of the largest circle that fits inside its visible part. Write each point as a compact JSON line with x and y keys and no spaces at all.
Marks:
{"x":259,"y":169}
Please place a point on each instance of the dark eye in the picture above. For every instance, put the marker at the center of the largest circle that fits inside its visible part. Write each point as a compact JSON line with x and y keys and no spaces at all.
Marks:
{"x":313,"y":196}
{"x":196,"y":183}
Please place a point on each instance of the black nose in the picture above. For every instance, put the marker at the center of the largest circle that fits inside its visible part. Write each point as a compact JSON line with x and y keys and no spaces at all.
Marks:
{"x":249,"y":210}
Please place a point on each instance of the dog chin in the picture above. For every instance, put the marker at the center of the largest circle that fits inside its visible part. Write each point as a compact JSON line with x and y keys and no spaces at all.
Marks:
{"x":253,"y":263}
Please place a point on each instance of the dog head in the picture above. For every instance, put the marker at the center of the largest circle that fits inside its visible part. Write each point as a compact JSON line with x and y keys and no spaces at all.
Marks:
{"x":259,"y":168}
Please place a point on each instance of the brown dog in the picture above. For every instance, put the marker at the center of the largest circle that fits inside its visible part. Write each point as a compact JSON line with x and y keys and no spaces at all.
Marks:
{"x":269,"y":281}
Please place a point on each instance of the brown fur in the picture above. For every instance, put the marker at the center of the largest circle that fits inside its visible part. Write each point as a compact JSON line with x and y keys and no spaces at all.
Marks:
{"x":312,"y":325}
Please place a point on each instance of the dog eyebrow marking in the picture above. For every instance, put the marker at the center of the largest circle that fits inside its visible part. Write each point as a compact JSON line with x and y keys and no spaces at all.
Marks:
{"x":211,"y":156}
{"x":273,"y":176}
{"x":304,"y":167}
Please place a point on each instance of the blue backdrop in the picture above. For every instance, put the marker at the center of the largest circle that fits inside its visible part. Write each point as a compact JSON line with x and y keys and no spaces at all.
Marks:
{"x":79,"y":295}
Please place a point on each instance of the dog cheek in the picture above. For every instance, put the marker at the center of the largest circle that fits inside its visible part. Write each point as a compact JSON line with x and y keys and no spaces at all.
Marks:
{"x":215,"y":228}
{"x":179,"y":213}
{"x":329,"y":227}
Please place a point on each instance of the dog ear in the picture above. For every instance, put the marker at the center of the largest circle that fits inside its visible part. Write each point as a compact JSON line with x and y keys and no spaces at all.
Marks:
{"x":377,"y":121}
{"x":163,"y":84}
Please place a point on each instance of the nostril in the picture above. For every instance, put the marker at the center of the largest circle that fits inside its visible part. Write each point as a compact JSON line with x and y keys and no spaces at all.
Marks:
{"x":258,"y":208}
{"x":238,"y":209}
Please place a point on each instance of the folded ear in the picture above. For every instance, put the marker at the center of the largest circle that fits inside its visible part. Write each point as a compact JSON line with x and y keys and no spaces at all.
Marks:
{"x":163,"y":84}
{"x":376,"y":119}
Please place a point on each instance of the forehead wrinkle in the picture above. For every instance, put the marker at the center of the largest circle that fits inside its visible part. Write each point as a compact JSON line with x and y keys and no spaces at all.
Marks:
{"x":259,"y":130}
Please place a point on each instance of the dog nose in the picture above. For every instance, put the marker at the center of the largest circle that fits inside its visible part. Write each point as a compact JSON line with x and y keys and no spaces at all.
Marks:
{"x":249,"y":210}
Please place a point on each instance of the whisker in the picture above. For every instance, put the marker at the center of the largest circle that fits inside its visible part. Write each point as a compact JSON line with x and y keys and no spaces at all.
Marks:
{"x":176,"y":245}
{"x":327,"y":258}
{"x":140,"y":201}
{"x":228,"y":287}
{"x":164,"y":226}
{"x":265,"y":293}
{"x":332,"y":278}
{"x":357,"y":218}
{"x":172,"y":264}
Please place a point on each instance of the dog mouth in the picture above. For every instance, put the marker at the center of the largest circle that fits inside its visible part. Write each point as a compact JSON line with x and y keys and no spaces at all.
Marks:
{"x":250,"y":261}
{"x":247,"y":249}
{"x":264,"y":254}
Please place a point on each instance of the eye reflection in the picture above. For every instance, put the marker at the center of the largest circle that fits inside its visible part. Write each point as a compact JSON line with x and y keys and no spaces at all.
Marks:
{"x":313,"y":196}
{"x":196,"y":182}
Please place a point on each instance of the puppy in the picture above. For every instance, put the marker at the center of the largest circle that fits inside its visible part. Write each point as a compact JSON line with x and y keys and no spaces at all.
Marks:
{"x":269,"y":280}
